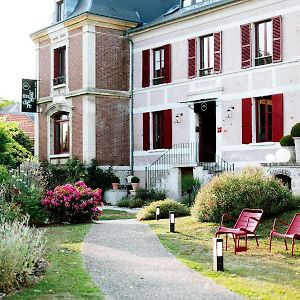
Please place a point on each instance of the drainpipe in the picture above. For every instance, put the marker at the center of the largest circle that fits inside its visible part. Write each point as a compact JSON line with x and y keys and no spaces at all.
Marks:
{"x":131,"y":104}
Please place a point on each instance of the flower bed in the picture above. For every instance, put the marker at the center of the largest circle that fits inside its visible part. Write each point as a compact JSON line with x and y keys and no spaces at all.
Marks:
{"x":73,"y":203}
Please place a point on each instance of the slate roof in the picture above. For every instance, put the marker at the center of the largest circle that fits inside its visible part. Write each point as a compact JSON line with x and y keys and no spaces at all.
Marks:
{"x":139,"y":11}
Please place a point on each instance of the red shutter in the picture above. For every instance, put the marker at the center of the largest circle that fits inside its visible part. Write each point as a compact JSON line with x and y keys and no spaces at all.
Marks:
{"x":217,"y":52}
{"x":56,"y":63}
{"x":168,"y":129}
{"x":146,"y":131}
{"x":192,"y":65}
{"x":277,"y":117}
{"x":246,"y":121}
{"x":146,"y":68}
{"x":167,"y":62}
{"x":277,"y":41}
{"x":246,"y":46}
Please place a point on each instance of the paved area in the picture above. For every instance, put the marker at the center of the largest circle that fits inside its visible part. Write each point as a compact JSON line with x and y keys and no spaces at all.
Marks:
{"x":127,"y":261}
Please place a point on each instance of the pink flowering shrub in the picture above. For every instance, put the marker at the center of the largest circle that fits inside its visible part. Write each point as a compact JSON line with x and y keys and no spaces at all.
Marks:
{"x":73,"y":203}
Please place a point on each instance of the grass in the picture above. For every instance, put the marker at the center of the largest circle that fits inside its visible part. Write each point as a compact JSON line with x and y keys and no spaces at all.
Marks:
{"x":66,"y":277}
{"x":256,"y":274}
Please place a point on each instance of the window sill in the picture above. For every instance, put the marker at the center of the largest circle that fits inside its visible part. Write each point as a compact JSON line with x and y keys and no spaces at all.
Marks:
{"x":62,"y":155}
{"x":157,"y":150}
{"x":58,"y":86}
{"x":263,"y":144}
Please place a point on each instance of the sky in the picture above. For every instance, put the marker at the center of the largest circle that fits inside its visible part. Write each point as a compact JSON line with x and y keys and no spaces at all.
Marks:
{"x":18,"y":19}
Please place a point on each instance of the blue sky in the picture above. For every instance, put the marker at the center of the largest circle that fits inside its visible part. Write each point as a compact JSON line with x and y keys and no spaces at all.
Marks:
{"x":17,"y":20}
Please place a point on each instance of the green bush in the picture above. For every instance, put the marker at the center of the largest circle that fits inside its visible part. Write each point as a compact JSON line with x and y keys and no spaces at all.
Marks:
{"x":10,"y":212}
{"x":190,"y":188}
{"x":148,"y":212}
{"x":135,"y":179}
{"x":230,"y":193}
{"x":287,"y":140}
{"x":295,"y":132}
{"x":21,"y":249}
{"x":124,"y":202}
{"x":4,"y":175}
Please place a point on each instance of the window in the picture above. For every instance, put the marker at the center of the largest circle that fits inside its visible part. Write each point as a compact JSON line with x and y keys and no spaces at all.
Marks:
{"x":263,"y":43}
{"x":206,"y":55}
{"x":161,"y":66}
{"x":267,"y":46}
{"x":59,"y":11}
{"x":61,"y":133}
{"x":161,"y":130}
{"x":267,"y":112}
{"x":59,"y":66}
{"x":158,"y":66}
{"x":264,"y":119}
{"x":186,"y":3}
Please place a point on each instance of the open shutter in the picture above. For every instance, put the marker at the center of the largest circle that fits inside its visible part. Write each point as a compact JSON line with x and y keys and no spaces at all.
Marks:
{"x":217,"y":52}
{"x":277,"y":40}
{"x":192,"y":64}
{"x":146,"y":131}
{"x":246,"y":46}
{"x":56,"y":63}
{"x":167,"y":62}
{"x":277,"y":117}
{"x":168,"y":129}
{"x":246,"y":121}
{"x":145,"y":68}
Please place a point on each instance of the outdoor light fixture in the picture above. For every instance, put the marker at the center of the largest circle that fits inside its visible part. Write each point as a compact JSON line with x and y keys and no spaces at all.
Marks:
{"x":172,"y":221}
{"x":229,"y":112}
{"x":157,"y":212}
{"x":218,"y":254}
{"x":283,"y":155}
{"x":178,"y":118}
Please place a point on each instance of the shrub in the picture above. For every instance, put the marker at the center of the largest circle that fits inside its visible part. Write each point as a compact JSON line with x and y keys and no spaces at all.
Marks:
{"x":21,"y":249}
{"x":4,"y":175}
{"x":229,"y":193}
{"x":73,"y":203}
{"x":115,"y":179}
{"x":190,"y":188}
{"x":135,"y":179}
{"x":287,"y":140}
{"x":124,"y":202}
{"x":10,"y":212}
{"x":295,"y":132}
{"x":148,"y":212}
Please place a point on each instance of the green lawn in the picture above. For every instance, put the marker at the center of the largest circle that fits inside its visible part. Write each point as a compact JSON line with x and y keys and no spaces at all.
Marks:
{"x":256,"y":274}
{"x":66,"y":277}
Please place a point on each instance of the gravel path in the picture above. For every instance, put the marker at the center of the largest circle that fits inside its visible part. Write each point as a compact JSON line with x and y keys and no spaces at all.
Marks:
{"x":127,"y":261}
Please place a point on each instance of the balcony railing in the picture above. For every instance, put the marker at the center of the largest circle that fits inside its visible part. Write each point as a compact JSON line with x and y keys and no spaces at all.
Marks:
{"x":59,"y":80}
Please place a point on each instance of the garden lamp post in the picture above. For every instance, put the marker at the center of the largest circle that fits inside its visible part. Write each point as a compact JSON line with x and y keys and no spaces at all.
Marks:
{"x":218,"y":254}
{"x":157,"y":212}
{"x":172,"y":221}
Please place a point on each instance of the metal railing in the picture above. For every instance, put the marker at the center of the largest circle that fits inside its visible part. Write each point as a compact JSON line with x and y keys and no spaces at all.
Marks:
{"x":180,"y":155}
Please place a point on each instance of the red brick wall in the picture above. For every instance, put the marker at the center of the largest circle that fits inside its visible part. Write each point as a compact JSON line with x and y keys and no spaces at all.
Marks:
{"x":43,"y":135}
{"x":112,"y":60}
{"x":77,"y":134}
{"x":75,"y":59}
{"x":45,"y":71}
{"x":112,"y":131}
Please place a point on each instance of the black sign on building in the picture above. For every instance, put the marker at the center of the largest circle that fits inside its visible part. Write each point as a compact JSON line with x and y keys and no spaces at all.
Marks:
{"x":29,"y":95}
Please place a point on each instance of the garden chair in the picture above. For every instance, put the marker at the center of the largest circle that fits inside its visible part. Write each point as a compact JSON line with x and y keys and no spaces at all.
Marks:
{"x":293,"y":231}
{"x":245,"y":225}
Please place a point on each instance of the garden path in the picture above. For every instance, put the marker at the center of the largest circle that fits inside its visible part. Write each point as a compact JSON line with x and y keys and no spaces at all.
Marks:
{"x":127,"y":261}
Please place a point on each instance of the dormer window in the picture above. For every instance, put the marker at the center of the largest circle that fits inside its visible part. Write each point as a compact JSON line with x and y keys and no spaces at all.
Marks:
{"x":59,"y":11}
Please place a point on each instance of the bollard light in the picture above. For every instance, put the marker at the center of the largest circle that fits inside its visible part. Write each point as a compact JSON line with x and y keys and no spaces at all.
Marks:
{"x":157,"y":213}
{"x":218,"y":254}
{"x":172,"y":221}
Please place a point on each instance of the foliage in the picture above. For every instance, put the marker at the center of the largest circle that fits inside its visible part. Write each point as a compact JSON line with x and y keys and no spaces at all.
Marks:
{"x":295,"y":132}
{"x":115,"y":179}
{"x":135,"y":179}
{"x":148,"y":212}
{"x":287,"y":140}
{"x":230,"y":193}
{"x":21,"y":248}
{"x":5,"y":103}
{"x":73,"y":203}
{"x":142,"y":197}
{"x":190,"y":188}
{"x":10,"y":212}
{"x":15,"y":146}
{"x":4,"y":175}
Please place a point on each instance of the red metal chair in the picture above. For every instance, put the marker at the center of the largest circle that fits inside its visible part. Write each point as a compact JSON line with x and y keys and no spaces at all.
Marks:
{"x":293,"y":231}
{"x":245,"y":225}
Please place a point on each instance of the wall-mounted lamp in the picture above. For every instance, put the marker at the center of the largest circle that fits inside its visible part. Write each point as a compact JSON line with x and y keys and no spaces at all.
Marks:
{"x":178,"y":118}
{"x":229,"y":112}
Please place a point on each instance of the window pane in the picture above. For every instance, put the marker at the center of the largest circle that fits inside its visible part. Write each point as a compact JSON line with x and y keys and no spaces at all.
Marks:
{"x":264,"y":119}
{"x":65,"y":137}
{"x":158,"y":130}
{"x":260,"y":42}
{"x":186,"y":3}
{"x":269,"y":47}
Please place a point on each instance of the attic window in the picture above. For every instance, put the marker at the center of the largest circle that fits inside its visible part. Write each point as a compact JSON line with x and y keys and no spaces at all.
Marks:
{"x":59,"y":11}
{"x":186,"y":3}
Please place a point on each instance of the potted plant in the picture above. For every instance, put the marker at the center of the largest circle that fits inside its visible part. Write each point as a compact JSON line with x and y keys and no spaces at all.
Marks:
{"x":135,"y":182}
{"x":288,"y":143}
{"x":295,"y":133}
{"x":115,"y":182}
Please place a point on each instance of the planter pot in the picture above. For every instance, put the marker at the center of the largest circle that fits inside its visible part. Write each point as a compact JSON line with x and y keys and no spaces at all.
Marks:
{"x":135,"y":185}
{"x":115,"y":185}
{"x":297,"y":148}
{"x":292,"y":152}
